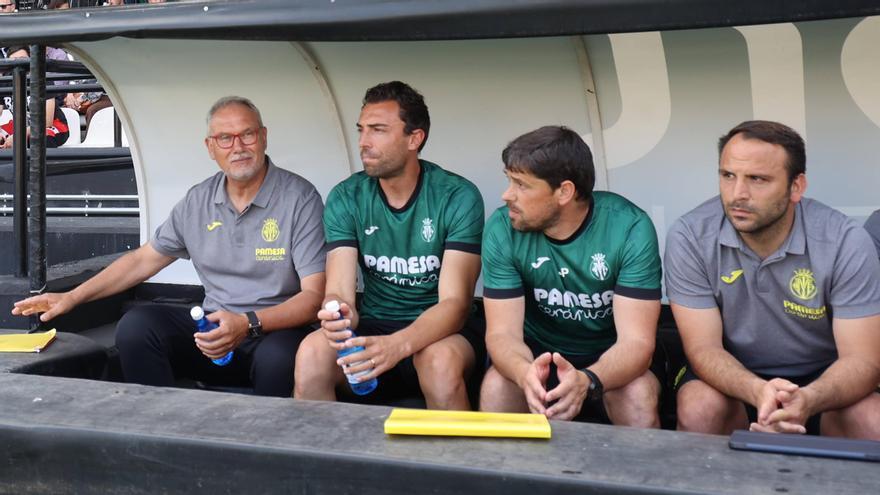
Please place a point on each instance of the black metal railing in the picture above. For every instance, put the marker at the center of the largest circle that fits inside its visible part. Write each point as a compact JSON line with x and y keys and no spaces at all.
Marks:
{"x":26,"y":166}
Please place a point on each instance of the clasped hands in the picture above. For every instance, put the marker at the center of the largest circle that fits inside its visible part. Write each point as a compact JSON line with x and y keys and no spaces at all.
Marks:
{"x":566,"y":399}
{"x":783,"y":407}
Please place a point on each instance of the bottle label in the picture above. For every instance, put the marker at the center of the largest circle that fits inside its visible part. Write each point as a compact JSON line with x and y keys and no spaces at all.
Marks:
{"x":353,"y":377}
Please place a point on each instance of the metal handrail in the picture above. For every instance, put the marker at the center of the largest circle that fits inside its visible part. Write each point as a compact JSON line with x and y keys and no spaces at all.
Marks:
{"x":86,"y":211}
{"x":93,"y":208}
{"x":79,"y":197}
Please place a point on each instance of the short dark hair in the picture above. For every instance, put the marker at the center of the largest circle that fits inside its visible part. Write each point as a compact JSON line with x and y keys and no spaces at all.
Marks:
{"x":553,"y":154}
{"x":773,"y":133}
{"x":413,"y":111}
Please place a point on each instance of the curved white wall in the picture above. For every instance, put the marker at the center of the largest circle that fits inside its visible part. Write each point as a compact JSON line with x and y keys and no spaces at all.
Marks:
{"x":675,"y":92}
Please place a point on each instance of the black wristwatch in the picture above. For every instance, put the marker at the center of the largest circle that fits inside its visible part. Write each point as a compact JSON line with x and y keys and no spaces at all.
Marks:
{"x":255,"y":328}
{"x":595,"y":390}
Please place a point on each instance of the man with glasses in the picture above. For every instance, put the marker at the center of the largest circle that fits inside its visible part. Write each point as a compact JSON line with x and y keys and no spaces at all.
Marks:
{"x":255,"y":237}
{"x":7,"y":6}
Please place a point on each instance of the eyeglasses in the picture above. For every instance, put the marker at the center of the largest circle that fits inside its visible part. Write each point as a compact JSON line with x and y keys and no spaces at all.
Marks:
{"x":226,"y":141}
{"x":6,"y":5}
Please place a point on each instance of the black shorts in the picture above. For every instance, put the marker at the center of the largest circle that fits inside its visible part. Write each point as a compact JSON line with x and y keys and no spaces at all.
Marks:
{"x":686,"y":374}
{"x":403,"y":380}
{"x":592,"y":411}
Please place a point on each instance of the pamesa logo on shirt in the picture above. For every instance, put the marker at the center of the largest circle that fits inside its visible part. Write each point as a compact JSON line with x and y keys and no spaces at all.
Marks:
{"x":803,"y":286}
{"x":270,"y":233}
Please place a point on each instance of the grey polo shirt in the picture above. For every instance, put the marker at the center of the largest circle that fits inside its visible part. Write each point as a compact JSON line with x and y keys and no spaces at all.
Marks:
{"x":777,"y":312}
{"x":872,"y":225}
{"x":254,"y":259}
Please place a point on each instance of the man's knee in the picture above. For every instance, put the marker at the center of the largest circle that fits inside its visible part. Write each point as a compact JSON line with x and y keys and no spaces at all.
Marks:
{"x":498,"y":394}
{"x":127,"y":334}
{"x":702,"y":409}
{"x":275,"y":356}
{"x":636,"y":403}
{"x":860,"y":420}
{"x":315,"y":364}
{"x":136,"y":328}
{"x":443,"y":366}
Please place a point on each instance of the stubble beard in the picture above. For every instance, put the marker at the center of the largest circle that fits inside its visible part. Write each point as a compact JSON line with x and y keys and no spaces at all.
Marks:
{"x":384,"y":167}
{"x":243,"y":174}
{"x":538,"y":225}
{"x":762,"y":225}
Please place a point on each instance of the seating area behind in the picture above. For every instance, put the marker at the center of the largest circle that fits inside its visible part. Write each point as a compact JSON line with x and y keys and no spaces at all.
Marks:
{"x":98,"y":135}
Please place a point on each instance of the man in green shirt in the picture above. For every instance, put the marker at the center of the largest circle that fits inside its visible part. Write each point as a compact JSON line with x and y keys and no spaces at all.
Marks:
{"x":414,"y":230}
{"x":572,"y":290}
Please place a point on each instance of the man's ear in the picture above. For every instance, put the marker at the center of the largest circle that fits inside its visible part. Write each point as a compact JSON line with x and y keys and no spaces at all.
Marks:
{"x":416,"y":138}
{"x":566,"y":192}
{"x":798,"y":188}
{"x":210,"y":148}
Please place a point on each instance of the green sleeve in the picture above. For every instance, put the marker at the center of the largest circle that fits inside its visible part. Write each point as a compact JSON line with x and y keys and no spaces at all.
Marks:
{"x":339,"y":223}
{"x":641,"y":268}
{"x":466,"y":219}
{"x":500,"y":275}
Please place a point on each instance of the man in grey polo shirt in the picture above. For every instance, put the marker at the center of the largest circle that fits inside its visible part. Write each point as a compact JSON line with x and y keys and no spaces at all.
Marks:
{"x":777,"y":299}
{"x":254,"y":234}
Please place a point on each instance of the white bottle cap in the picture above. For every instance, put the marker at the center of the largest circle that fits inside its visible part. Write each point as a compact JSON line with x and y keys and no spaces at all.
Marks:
{"x":197,"y":313}
{"x":332,"y":306}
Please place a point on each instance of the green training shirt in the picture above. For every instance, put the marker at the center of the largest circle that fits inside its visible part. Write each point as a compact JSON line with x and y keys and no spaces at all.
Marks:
{"x":400,"y":251}
{"x":569,"y":284}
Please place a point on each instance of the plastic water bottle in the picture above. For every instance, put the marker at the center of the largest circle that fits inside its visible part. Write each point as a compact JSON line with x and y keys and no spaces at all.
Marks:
{"x":202,"y":323}
{"x":360,"y":388}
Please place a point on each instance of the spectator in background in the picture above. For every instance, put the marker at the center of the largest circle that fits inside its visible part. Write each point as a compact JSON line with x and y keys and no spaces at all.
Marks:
{"x":56,"y":124}
{"x":7,"y":6}
{"x":88,"y":104}
{"x":85,"y":103}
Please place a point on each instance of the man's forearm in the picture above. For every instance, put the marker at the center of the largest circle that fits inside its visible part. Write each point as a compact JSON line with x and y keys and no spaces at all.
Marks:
{"x":844,"y":383}
{"x":295,"y":312}
{"x":622,"y":363}
{"x":124,"y":273}
{"x":436,"y":323}
{"x":719,"y":369}
{"x":510,"y":356}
